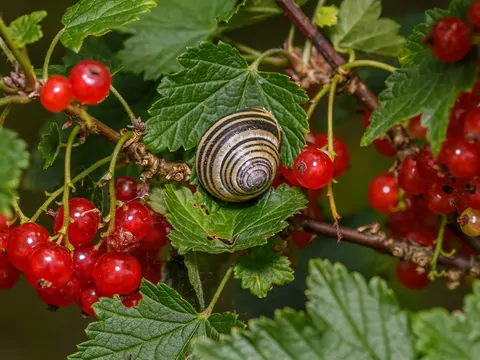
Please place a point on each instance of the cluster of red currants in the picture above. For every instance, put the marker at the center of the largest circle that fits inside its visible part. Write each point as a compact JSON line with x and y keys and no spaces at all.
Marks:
{"x":62,"y":277}
{"x":88,"y":82}
{"x":432,"y":186}
{"x":450,"y":38}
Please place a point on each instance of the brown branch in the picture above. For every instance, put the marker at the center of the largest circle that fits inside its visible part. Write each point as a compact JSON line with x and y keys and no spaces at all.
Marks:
{"x":398,"y":135}
{"x":135,"y":150}
{"x":403,"y":249}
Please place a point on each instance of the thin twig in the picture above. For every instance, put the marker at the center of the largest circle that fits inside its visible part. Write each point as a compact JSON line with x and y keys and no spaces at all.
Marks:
{"x":14,"y":99}
{"x":125,"y":105}
{"x":368,"y":63}
{"x":48,"y":56}
{"x":8,"y":53}
{"x":5,"y":113}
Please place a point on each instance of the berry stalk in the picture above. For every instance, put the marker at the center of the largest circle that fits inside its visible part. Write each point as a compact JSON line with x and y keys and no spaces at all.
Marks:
{"x":125,"y":105}
{"x":438,"y":248}
{"x":49,"y":53}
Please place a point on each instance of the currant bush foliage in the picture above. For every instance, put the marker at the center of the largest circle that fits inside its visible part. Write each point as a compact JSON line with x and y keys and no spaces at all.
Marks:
{"x":216,"y":228}
{"x":163,"y":326}
{"x":423,"y":85}
{"x":25,"y":30}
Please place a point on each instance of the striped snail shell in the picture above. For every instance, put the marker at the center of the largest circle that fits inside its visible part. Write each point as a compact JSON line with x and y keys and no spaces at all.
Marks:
{"x":238,"y":157}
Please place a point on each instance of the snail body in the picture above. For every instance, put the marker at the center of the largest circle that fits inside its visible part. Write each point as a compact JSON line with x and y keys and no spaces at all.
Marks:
{"x":238,"y":158}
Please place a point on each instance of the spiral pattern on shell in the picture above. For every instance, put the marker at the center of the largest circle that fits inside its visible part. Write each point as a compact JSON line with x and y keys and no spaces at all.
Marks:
{"x":238,"y":157}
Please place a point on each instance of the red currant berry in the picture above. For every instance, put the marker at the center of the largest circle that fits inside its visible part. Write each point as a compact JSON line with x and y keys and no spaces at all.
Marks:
{"x":277,"y":181}
{"x":157,"y":235}
{"x":408,"y":177}
{"x":87,"y":297}
{"x":313,"y":168}
{"x":3,"y":223}
{"x":461,"y":158}
{"x":428,"y":167}
{"x":302,"y":239}
{"x":473,"y":14}
{"x":126,"y":188}
{"x":342,"y":158}
{"x":3,"y":248}
{"x":61,"y":296}
{"x":86,"y":220}
{"x":150,"y":264}
{"x":116,"y":273}
{"x":22,"y":240}
{"x":84,"y":259}
{"x":408,"y":276}
{"x":471,"y":196}
{"x":471,"y":127}
{"x":91,"y":81}
{"x":134,"y":218}
{"x":131,"y":300}
{"x":450,"y":39}
{"x":416,"y":129}
{"x":49,"y":265}
{"x":289,"y":176}
{"x":462,"y":106}
{"x":56,"y":94}
{"x":469,"y":222}
{"x":421,"y":235}
{"x":383,"y":193}
{"x":440,"y":199}
{"x":8,"y":276}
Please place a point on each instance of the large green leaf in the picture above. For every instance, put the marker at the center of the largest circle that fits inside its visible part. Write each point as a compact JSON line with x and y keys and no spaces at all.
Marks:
{"x":445,"y":336}
{"x":14,"y":159}
{"x":162,"y":35}
{"x":25,"y":29}
{"x":424,"y":85}
{"x":97,"y":17}
{"x":163,"y":326}
{"x":262,"y":268}
{"x":217,"y":81}
{"x":346,"y":319}
{"x":220,"y":227}
{"x":359,"y":27}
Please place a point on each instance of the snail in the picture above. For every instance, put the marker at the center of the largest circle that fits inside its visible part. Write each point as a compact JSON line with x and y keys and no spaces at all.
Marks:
{"x":238,"y":158}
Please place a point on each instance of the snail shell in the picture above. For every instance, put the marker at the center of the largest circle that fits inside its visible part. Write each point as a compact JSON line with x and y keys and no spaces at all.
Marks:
{"x":238,"y":157}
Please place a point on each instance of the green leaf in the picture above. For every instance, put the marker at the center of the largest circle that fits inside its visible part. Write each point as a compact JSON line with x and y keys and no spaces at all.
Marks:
{"x":89,"y":189}
{"x":445,"y":336}
{"x":163,"y":326}
{"x":52,"y":70}
{"x":423,"y":85}
{"x":97,"y":17}
{"x":162,"y":35}
{"x":326,"y":16}
{"x":230,"y":8}
{"x":262,"y":268}
{"x":14,"y":159}
{"x":255,"y":11}
{"x":217,"y":81}
{"x":290,"y":335}
{"x":157,"y":200}
{"x":228,"y":227}
{"x":49,"y":146}
{"x":346,"y":319}
{"x":25,"y":29}
{"x":359,"y":27}
{"x":224,"y":322}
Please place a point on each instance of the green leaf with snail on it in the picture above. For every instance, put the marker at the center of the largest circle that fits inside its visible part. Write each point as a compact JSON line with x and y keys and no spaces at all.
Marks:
{"x":216,"y":81}
{"x":230,"y":227}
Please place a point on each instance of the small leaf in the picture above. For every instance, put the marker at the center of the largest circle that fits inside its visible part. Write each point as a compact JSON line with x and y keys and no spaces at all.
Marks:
{"x":97,"y":17}
{"x":162,"y":35}
{"x":346,"y":319}
{"x":262,"y":268}
{"x":14,"y":159}
{"x":217,"y":81}
{"x":230,"y":227}
{"x":52,"y":70}
{"x":163,"y":326}
{"x":157,"y":200}
{"x":326,"y":16}
{"x":224,"y":322}
{"x":49,"y":146}
{"x":229,"y":9}
{"x":423,"y":85}
{"x":25,"y":29}
{"x":359,"y":27}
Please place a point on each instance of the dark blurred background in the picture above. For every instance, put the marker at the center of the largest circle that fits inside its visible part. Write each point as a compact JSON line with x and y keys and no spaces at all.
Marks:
{"x":29,"y":331}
